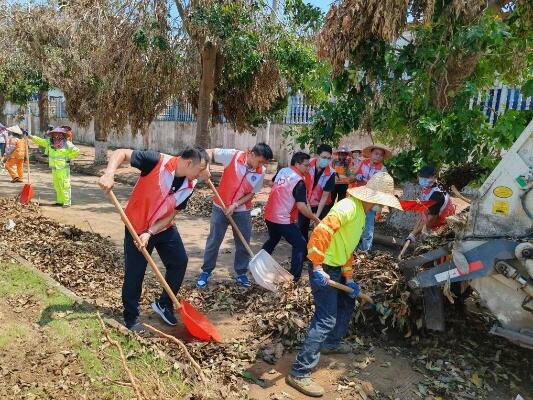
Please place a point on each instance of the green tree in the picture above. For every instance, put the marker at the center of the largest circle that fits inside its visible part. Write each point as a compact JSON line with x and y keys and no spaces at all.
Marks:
{"x":407,"y":71}
{"x":244,"y":58}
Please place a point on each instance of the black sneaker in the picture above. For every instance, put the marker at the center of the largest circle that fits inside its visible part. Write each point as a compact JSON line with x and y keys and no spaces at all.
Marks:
{"x":166,"y":313}
{"x":136,"y":327}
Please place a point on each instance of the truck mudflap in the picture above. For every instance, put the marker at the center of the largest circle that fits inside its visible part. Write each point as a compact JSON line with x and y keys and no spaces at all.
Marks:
{"x":481,"y":260}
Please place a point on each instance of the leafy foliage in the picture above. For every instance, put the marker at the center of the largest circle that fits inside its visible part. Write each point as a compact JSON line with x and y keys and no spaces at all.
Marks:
{"x":413,"y":89}
{"x":258,"y":58}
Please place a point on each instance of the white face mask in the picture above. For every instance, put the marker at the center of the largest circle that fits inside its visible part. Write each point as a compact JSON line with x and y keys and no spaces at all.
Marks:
{"x":376,"y":208}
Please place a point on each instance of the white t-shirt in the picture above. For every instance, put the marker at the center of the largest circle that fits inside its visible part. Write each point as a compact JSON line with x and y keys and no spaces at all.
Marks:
{"x":224,"y":157}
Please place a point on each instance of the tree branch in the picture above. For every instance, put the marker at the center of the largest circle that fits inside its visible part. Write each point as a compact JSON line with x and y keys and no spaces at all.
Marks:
{"x":138,"y":391}
{"x":182,"y":346}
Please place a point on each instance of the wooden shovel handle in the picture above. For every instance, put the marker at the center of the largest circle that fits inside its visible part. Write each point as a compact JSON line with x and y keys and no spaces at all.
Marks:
{"x":366,"y":298}
{"x":145,"y":253}
{"x":28,"y":158}
{"x":404,"y":248}
{"x":230,"y":219}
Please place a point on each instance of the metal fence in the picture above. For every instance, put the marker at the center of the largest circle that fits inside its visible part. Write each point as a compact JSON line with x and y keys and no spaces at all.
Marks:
{"x":493,"y":103}
{"x":498,"y":100}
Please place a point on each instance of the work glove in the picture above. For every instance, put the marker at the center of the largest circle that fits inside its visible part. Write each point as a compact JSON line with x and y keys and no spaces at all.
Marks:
{"x":355,"y":287}
{"x":319,"y":277}
{"x":411,"y":238}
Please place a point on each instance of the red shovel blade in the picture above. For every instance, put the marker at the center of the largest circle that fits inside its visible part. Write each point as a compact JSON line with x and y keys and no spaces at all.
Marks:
{"x":27,"y":194}
{"x":197,"y":323}
{"x":416,"y":205}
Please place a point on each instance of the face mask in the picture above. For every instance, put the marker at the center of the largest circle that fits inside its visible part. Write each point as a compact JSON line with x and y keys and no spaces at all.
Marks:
{"x":376,"y":208}
{"x":323,"y":162}
{"x":425,"y":182}
{"x":58,"y":142}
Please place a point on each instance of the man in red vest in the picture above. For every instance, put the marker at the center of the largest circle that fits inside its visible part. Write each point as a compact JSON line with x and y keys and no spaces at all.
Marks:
{"x":287,"y":198}
{"x":162,"y":190}
{"x":322,"y":184}
{"x":242,"y":178}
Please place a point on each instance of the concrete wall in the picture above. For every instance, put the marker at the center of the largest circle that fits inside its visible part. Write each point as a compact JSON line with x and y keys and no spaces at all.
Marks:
{"x":172,"y":136}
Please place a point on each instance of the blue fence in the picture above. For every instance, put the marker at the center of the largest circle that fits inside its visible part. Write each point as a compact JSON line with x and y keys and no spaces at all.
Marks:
{"x":500,"y":99}
{"x":493,"y":103}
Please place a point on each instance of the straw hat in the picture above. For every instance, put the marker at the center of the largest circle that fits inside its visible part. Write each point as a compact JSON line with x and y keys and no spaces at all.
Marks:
{"x":58,"y":130}
{"x":378,"y":190}
{"x":369,"y":149}
{"x":15,"y":129}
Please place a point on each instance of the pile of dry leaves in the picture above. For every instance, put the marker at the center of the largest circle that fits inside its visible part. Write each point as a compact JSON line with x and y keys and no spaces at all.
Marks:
{"x":201,"y":203}
{"x":464,"y":358}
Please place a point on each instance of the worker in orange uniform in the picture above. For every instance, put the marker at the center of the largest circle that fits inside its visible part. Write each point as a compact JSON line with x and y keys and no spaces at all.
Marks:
{"x":330,"y":249}
{"x":342,"y":167}
{"x":15,"y":154}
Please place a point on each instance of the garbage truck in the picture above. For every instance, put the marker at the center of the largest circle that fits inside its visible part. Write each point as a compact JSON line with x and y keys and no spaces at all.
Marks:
{"x":492,"y":252}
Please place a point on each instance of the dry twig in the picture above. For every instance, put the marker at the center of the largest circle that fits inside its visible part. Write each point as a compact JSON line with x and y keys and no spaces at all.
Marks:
{"x":181,"y":346}
{"x":136,"y":388}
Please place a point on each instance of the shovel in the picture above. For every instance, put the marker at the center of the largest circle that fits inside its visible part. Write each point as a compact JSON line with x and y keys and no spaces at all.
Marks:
{"x":195,"y":322}
{"x":27,"y":191}
{"x":265,"y":270}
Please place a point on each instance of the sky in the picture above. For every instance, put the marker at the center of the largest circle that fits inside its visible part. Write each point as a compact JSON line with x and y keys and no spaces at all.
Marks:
{"x":323,"y":4}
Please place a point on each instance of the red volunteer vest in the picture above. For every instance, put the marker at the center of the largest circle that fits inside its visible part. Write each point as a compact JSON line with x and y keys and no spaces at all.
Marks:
{"x":152,"y":198}
{"x":315,"y":194}
{"x":368,"y":171}
{"x":447,"y":209}
{"x":238,"y":181}
{"x":281,"y":205}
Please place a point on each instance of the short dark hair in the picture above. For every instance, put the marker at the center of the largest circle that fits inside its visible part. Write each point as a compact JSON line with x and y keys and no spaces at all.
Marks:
{"x":324,"y":147}
{"x":427,"y":171}
{"x":263,"y":150}
{"x":195,"y":153}
{"x":299,"y":157}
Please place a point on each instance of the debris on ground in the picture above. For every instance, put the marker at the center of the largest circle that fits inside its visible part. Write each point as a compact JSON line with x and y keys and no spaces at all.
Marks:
{"x":464,"y":362}
{"x":200,"y":204}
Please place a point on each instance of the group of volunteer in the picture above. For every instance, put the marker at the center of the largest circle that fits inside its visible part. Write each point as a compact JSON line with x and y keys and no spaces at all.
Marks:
{"x":58,"y":147}
{"x":338,"y":193}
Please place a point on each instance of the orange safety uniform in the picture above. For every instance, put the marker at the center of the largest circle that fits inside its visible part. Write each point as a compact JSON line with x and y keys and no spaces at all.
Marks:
{"x":15,"y":160}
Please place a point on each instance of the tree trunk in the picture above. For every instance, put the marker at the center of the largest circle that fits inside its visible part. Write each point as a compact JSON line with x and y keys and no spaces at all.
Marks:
{"x":100,"y":144}
{"x":205,"y":100}
{"x":146,"y":135}
{"x":2,"y":107}
{"x":44,"y":116}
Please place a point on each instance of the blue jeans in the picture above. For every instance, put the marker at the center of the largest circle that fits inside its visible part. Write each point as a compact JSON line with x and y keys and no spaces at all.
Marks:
{"x":171,"y":251}
{"x":368,"y":233}
{"x":217,"y":231}
{"x":293,"y":235}
{"x":333,"y":312}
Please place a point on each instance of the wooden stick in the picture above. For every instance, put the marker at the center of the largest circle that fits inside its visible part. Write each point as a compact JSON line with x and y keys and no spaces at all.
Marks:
{"x":138,"y":391}
{"x":366,"y":298}
{"x":404,"y":248}
{"x":28,"y":158}
{"x":230,"y":219}
{"x":182,"y":346}
{"x":145,"y":253}
{"x":458,"y":194}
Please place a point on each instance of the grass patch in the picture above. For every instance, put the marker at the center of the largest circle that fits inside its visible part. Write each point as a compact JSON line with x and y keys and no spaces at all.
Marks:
{"x":11,"y":332}
{"x":79,"y":330}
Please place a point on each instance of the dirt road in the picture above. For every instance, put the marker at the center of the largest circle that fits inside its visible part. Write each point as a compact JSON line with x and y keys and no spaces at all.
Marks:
{"x":91,"y":210}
